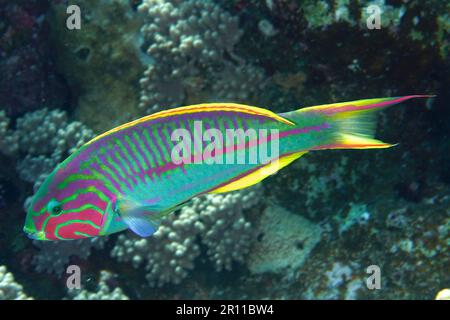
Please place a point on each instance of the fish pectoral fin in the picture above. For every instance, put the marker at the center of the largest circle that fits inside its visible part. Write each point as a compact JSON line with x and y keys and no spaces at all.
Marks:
{"x":260,"y":174}
{"x":142,"y":219}
{"x":142,"y":224}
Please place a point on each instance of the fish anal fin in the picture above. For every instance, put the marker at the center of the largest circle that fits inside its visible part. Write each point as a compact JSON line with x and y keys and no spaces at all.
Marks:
{"x":259,"y":174}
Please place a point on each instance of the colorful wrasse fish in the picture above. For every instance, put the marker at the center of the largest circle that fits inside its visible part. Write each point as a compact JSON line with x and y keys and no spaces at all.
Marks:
{"x":128,"y":177}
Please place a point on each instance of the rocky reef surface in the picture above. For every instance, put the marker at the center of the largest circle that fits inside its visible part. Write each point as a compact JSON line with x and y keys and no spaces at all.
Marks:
{"x":309,"y":232}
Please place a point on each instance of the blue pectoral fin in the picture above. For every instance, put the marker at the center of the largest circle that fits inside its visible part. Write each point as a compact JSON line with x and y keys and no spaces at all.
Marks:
{"x":142,"y":226}
{"x":142,"y":219}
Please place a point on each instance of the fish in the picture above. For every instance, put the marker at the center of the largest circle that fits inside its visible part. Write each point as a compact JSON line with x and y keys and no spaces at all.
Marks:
{"x":133,"y":176}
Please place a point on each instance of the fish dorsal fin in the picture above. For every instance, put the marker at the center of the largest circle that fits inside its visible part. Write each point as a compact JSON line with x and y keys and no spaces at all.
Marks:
{"x":231,"y":107}
{"x":205,"y":107}
{"x":259,"y":174}
{"x":144,"y":220}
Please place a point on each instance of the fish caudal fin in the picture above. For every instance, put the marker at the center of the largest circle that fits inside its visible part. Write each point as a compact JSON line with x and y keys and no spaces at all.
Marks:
{"x":354,"y":122}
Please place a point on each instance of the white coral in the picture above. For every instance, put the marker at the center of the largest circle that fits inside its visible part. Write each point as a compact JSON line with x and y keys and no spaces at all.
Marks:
{"x":9,"y":139}
{"x":45,"y":138}
{"x":9,"y":288}
{"x":103,"y":292}
{"x":54,"y":256}
{"x":188,"y":39}
{"x":217,"y":220}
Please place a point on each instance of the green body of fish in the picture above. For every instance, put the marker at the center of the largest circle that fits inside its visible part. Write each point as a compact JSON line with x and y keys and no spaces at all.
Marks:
{"x":134,"y":175}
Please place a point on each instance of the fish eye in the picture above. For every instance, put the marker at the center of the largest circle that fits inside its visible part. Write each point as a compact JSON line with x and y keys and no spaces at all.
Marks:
{"x":54,"y":207}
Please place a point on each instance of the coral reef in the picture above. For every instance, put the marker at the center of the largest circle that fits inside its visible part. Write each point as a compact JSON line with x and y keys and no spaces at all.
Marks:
{"x":322,"y":14}
{"x":103,"y":292}
{"x":224,"y":230}
{"x":42,"y":139}
{"x":358,"y":214}
{"x":239,"y":83}
{"x":397,"y":219}
{"x":9,"y":140}
{"x":101,"y":61}
{"x":399,"y":251}
{"x":338,"y":275}
{"x":191,"y":44}
{"x":169,"y":254}
{"x":329,"y":216}
{"x":27,"y":63}
{"x":53,"y":257}
{"x":284,"y":242}
{"x":9,"y":289}
{"x":444,"y":294}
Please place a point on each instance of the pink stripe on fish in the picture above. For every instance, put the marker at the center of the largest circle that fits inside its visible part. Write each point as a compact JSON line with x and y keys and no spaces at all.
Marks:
{"x":385,"y":103}
{"x":89,"y":197}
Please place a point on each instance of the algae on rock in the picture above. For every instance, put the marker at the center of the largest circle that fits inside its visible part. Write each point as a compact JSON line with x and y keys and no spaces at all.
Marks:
{"x":101,"y":61}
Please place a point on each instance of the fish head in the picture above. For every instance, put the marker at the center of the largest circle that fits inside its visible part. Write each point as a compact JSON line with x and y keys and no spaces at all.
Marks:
{"x":70,"y":204}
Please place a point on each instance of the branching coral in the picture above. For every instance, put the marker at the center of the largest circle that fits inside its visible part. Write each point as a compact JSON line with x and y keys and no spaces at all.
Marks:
{"x":45,"y":137}
{"x":104,"y":291}
{"x":42,"y":139}
{"x":53,"y":256}
{"x":169,"y":254}
{"x":223,"y":228}
{"x":187,"y":39}
{"x":8,"y":138}
{"x":9,"y":288}
{"x":191,"y":44}
{"x":238,"y":83}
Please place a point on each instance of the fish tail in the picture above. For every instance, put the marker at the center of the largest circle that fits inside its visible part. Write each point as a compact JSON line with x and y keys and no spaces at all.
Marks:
{"x":352,"y":124}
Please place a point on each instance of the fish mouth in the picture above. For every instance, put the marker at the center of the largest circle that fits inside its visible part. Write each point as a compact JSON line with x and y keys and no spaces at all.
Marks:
{"x":35,"y":235}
